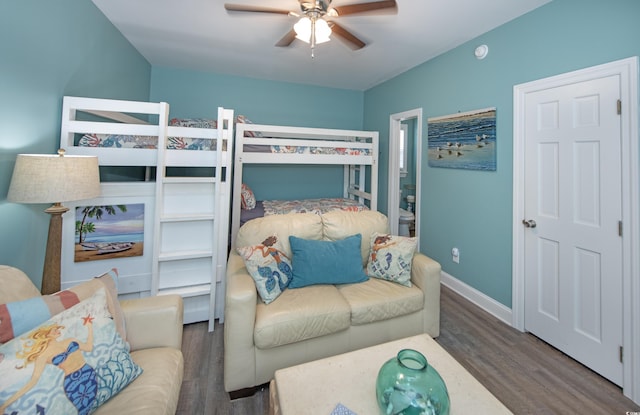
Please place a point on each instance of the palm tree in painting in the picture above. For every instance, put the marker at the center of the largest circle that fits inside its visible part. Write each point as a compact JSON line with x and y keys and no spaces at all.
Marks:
{"x":83,"y":227}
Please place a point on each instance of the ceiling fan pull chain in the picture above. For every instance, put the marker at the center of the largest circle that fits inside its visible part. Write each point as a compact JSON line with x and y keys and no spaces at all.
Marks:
{"x":313,"y":36}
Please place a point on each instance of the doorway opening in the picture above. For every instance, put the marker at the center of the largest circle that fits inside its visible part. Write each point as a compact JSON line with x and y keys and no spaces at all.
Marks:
{"x":405,"y":149}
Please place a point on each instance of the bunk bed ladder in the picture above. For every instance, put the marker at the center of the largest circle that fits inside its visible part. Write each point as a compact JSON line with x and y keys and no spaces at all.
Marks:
{"x":191,"y":227}
{"x":223,"y":206}
{"x":355,"y":188}
{"x":355,"y":179}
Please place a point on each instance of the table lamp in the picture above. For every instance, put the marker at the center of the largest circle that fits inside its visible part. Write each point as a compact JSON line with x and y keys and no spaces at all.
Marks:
{"x":50,"y":178}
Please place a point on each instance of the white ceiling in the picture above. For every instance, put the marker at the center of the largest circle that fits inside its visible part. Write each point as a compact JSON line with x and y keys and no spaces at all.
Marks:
{"x":201,"y":35}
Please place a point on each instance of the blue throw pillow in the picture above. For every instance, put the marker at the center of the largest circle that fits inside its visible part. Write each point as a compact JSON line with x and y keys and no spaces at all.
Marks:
{"x":326,"y":262}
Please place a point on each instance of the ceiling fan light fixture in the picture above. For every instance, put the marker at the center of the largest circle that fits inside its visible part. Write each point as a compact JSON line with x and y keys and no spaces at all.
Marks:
{"x":306,"y":25}
{"x":323,"y":31}
{"x":303,"y":29}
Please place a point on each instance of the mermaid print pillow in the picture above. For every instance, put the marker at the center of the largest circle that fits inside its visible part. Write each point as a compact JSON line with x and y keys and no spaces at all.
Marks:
{"x":70,"y":364}
{"x":269,"y":267}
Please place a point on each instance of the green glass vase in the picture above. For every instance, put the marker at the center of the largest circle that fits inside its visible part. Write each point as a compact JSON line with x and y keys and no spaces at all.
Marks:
{"x":407,"y":385}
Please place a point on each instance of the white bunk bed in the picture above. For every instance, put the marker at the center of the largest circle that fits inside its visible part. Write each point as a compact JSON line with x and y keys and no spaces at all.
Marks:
{"x":357,"y":151}
{"x":188,"y":235}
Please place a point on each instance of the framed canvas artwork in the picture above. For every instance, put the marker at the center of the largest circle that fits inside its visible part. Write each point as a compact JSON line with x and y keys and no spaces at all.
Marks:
{"x":466,"y":140}
{"x":109,"y":231}
{"x":113,"y":230}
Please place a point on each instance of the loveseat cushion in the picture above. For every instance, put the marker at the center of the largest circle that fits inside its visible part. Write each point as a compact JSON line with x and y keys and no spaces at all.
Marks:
{"x":338,"y":224}
{"x":156,"y":390}
{"x":376,"y":300}
{"x":302,"y":225}
{"x":301,"y":314}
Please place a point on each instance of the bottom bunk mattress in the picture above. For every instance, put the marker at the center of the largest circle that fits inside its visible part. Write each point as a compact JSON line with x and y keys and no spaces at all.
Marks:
{"x":283,"y":207}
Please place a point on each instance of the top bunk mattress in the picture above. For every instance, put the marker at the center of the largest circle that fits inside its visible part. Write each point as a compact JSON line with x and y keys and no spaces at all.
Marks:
{"x":151,"y":142}
{"x":257,"y":138}
{"x":282,"y":149}
{"x":317,"y":206}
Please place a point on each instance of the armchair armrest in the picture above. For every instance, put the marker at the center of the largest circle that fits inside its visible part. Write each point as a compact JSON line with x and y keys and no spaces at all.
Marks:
{"x":240,"y":312}
{"x":154,"y":321}
{"x":425,"y":274}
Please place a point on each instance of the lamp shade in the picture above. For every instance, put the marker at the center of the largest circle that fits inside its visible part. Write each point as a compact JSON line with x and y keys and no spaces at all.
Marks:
{"x":44,"y":178}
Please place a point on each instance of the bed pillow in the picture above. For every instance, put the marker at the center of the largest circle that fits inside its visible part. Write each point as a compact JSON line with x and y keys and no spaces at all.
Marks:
{"x":326,"y":262}
{"x":247,"y":198}
{"x":85,"y":333}
{"x":269,"y":267}
{"x":244,"y":120}
{"x":193,"y":122}
{"x":21,"y":316}
{"x":390,"y":258}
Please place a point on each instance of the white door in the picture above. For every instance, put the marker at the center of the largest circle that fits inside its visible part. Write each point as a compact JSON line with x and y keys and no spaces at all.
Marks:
{"x":573,"y":205}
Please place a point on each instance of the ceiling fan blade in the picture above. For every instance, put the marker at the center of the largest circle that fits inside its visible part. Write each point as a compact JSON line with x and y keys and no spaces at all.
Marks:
{"x":245,"y":8}
{"x":287,"y":39}
{"x":352,"y":41}
{"x":366,"y":7}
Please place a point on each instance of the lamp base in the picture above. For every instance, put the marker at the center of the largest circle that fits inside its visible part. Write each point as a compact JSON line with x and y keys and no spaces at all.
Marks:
{"x":51,"y":270}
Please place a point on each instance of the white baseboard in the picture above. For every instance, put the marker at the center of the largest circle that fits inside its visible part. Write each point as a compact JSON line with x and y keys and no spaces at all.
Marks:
{"x":483,"y":301}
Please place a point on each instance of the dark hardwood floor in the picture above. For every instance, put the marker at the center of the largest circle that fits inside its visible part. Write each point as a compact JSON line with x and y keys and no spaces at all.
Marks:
{"x":526,"y":374}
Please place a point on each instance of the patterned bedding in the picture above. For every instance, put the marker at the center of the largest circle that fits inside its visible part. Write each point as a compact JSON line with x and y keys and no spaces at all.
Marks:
{"x":186,"y":143}
{"x":317,"y":206}
{"x":140,"y":141}
{"x":260,"y":148}
{"x":151,"y":142}
{"x":321,"y":150}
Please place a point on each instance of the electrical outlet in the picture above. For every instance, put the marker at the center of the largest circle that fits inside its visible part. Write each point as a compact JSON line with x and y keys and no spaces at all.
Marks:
{"x":455,"y":255}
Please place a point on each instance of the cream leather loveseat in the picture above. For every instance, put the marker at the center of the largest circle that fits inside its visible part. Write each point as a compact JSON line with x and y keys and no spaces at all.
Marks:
{"x":305,"y":324}
{"x":154,"y":332}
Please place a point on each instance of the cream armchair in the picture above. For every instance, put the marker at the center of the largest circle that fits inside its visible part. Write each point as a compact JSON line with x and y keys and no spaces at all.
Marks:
{"x":154,"y":332}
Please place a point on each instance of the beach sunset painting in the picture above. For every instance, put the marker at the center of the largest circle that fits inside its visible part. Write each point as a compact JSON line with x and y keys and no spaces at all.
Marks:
{"x":109,"y":231}
{"x":465,"y":140}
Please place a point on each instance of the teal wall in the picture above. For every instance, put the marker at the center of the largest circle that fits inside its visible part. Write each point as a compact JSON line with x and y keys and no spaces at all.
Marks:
{"x":472,"y":209}
{"x":67,"y":47}
{"x":49,"y":49}
{"x":196,"y":94}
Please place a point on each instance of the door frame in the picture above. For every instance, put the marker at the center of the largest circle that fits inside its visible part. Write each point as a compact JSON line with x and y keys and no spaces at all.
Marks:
{"x":393,"y":199}
{"x":627,"y":70}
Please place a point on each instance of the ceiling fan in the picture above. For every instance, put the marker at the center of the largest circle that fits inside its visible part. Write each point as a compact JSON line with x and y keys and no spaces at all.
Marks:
{"x":316,"y":20}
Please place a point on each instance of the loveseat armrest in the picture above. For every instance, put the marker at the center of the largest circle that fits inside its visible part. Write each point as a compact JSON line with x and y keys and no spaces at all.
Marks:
{"x":240,"y":315}
{"x":154,"y":321}
{"x":425,"y":274}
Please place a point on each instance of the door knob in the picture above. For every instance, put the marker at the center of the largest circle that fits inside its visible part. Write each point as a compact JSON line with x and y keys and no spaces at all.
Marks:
{"x":529,"y":223}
